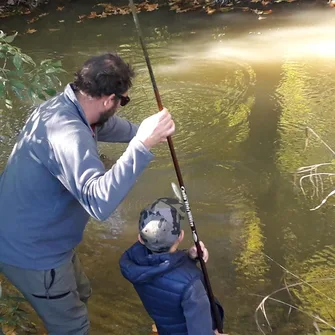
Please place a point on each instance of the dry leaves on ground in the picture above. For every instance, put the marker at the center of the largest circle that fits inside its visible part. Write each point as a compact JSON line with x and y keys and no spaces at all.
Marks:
{"x":31,"y":31}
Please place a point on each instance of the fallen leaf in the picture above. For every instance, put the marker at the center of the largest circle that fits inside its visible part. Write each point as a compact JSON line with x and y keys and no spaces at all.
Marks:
{"x":60,"y":8}
{"x":33,"y":19}
{"x":267,"y":12}
{"x":103,"y":15}
{"x":31,"y":31}
{"x":27,"y":12}
{"x":152,"y":7}
{"x":261,"y":17}
{"x":99,"y":35}
{"x":123,"y":11}
{"x":43,"y":14}
{"x":51,"y":29}
{"x":210,"y":11}
{"x":81,"y":16}
{"x":80,"y":21}
{"x":183,"y":10}
{"x":257,"y":11}
{"x":61,"y":21}
{"x":92,"y":15}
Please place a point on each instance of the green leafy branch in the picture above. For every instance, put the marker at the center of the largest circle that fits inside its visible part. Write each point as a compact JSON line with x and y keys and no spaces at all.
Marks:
{"x":12,"y":315}
{"x":21,"y":77}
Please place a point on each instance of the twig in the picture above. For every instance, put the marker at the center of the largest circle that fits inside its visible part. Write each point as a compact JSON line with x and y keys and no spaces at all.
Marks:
{"x":321,"y":140}
{"x":289,"y":305}
{"x":312,"y":182}
{"x":316,"y":327}
{"x":261,"y":306}
{"x":289,"y":293}
{"x":323,"y":201}
{"x":303,"y":281}
{"x":304,"y":169}
{"x":317,"y":176}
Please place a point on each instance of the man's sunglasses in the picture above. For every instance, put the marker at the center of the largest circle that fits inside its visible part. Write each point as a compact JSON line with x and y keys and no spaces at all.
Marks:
{"x":124,"y":100}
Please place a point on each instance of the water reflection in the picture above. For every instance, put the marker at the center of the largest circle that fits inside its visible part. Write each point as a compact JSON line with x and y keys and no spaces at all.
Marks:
{"x":318,"y":297}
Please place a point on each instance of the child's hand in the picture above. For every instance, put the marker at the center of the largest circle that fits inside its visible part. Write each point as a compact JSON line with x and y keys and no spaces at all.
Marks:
{"x":192,"y":252}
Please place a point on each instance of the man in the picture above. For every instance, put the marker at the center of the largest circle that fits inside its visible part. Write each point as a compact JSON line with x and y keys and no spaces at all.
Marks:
{"x":54,"y":180}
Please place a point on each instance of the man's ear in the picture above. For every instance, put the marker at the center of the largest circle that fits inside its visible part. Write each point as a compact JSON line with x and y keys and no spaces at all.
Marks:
{"x":109,"y":99}
{"x":140,"y":239}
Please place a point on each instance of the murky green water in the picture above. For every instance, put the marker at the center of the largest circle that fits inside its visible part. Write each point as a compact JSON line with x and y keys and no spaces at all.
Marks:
{"x":241,"y":91}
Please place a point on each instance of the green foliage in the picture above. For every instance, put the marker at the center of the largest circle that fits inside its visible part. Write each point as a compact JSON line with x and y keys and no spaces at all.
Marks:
{"x":12,"y":315}
{"x":21,"y":77}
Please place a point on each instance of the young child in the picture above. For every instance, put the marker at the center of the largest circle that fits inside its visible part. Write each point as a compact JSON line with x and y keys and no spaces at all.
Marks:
{"x":167,"y":280}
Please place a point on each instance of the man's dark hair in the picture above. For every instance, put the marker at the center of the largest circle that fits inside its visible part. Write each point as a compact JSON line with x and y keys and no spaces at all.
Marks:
{"x":104,"y":75}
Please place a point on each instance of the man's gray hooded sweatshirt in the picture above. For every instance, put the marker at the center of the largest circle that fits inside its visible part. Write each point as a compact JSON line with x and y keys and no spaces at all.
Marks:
{"x":54,"y":180}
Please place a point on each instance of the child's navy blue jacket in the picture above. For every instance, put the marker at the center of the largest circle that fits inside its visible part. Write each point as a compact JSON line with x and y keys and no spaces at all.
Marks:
{"x":171,"y":289}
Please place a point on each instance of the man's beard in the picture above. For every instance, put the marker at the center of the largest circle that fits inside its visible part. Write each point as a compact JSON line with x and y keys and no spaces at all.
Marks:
{"x":105,"y":116}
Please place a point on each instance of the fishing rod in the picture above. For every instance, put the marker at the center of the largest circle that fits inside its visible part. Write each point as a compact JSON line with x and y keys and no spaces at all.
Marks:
{"x":214,"y":307}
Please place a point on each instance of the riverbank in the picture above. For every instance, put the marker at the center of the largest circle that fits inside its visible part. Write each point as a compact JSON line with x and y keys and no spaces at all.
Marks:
{"x":101,"y":10}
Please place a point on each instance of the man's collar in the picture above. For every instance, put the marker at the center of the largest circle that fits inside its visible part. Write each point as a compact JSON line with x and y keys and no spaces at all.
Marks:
{"x":70,"y":94}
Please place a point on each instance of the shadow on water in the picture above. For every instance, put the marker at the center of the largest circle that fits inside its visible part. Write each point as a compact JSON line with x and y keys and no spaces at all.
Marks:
{"x":241,"y":91}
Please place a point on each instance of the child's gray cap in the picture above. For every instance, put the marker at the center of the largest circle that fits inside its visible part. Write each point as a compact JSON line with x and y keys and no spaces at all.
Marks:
{"x":159,"y":224}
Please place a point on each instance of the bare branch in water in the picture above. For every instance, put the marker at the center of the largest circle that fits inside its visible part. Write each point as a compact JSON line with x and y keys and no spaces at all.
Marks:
{"x":287,"y":287}
{"x":304,"y":169}
{"x":316,"y":327}
{"x":302,"y":281}
{"x":323,"y":201}
{"x":310,"y":176}
{"x":321,"y":182}
{"x":261,"y":306}
{"x":315,"y":177}
{"x":313,"y":174}
{"x":307,"y":138}
{"x":321,"y":140}
{"x":289,"y":293}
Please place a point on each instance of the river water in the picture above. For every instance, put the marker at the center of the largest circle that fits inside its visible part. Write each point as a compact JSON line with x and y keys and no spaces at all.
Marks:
{"x":242,"y":91}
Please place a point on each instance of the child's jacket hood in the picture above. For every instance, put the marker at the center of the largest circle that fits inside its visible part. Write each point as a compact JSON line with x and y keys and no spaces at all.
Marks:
{"x":139,"y":265}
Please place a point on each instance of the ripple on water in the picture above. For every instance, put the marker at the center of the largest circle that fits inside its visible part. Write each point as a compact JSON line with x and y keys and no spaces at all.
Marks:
{"x":209,"y":100}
